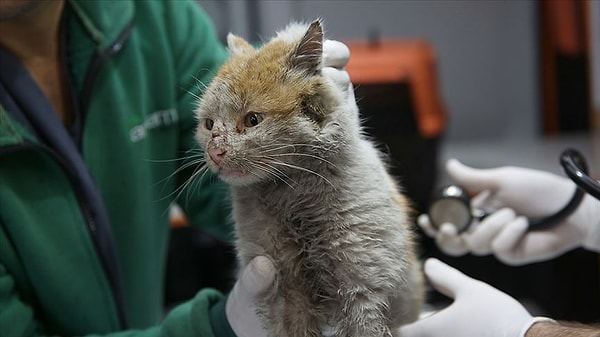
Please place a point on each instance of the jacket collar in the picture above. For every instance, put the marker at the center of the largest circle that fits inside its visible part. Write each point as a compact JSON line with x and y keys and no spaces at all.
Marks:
{"x":104,"y":20}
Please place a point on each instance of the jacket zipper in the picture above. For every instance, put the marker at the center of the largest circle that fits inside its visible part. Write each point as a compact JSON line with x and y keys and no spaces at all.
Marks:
{"x":93,"y":71}
{"x":86,"y":94}
{"x":87,"y":214}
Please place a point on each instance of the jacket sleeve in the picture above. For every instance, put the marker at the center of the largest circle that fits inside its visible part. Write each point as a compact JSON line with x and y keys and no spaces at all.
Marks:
{"x":16,"y":317}
{"x":203,"y":316}
{"x":199,"y":54}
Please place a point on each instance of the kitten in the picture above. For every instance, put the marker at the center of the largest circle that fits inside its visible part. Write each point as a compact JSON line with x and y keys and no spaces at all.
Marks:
{"x":310,"y":191}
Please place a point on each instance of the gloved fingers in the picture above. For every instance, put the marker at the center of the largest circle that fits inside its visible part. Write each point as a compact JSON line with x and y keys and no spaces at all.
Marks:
{"x":335,"y":57}
{"x":481,"y":200}
{"x":474,"y":180}
{"x":340,"y":79}
{"x":450,"y":242}
{"x":446,"y":238}
{"x":257,"y":278}
{"x":335,"y":54}
{"x":487,"y":201}
{"x":480,"y":239}
{"x":505,"y":246}
{"x":475,"y":303}
{"x":240,"y":308}
{"x":425,"y":327}
{"x":587,"y":221}
{"x":515,"y":245}
{"x":425,"y":224}
{"x":435,"y":324}
{"x":446,"y":279}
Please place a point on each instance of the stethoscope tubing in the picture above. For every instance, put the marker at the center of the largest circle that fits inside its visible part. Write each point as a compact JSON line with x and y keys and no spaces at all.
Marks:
{"x":575,"y":168}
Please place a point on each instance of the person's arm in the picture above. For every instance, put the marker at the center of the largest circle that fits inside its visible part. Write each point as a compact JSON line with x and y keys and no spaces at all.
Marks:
{"x":18,"y":316}
{"x":203,"y":316}
{"x":562,"y":329}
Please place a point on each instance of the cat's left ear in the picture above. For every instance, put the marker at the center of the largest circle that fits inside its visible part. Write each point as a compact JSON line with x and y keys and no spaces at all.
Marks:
{"x":238,"y":46}
{"x":309,"y":53}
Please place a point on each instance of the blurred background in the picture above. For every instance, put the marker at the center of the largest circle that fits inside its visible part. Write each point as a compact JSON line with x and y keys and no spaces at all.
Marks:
{"x":490,"y":83}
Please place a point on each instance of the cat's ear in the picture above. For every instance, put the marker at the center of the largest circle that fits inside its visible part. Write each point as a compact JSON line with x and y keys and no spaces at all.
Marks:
{"x":309,"y":53}
{"x":238,"y":46}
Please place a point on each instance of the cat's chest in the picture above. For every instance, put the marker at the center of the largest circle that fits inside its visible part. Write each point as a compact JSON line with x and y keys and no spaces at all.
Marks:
{"x":275,"y":223}
{"x":251,"y":215}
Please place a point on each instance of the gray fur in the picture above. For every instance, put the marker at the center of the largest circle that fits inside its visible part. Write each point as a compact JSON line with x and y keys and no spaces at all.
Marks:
{"x":316,"y":199}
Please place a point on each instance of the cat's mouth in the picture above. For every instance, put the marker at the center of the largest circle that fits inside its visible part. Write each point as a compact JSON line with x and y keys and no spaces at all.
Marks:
{"x":219,"y":163}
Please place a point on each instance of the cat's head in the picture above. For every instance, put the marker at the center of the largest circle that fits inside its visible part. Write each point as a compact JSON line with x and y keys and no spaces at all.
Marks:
{"x":263,"y":115}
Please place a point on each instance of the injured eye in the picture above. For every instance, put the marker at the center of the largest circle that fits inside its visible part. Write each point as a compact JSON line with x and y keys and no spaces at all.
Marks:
{"x":253,"y":119}
{"x":208,"y":124}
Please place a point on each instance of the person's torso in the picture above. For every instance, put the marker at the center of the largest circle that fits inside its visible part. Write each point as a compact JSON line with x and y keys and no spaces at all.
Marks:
{"x":129,"y":142}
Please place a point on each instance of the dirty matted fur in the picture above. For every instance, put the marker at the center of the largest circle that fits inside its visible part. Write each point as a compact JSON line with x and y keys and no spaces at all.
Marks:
{"x":310,"y":191}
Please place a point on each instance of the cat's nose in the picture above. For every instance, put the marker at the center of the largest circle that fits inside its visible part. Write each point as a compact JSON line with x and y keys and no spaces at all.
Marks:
{"x":216,"y":154}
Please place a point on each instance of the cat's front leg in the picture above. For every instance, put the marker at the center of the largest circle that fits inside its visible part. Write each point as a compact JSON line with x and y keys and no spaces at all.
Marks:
{"x":294,"y":315}
{"x":363,"y":313}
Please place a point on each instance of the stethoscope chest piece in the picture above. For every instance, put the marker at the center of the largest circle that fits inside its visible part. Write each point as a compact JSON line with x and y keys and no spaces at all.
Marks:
{"x":451,"y":204}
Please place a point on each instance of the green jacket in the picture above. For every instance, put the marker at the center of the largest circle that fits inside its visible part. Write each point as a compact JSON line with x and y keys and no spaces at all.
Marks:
{"x":84,"y":223}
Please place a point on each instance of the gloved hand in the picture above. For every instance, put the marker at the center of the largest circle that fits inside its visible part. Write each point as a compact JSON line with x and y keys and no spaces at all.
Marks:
{"x":478,"y":309}
{"x":255,"y":283}
{"x":335,"y":58}
{"x":516,"y":193}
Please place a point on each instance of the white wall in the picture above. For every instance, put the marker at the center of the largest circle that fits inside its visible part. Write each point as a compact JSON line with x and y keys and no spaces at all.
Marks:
{"x":486,"y":51}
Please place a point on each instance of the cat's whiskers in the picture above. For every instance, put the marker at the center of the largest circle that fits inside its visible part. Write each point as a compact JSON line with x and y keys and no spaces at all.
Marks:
{"x":199,"y":172}
{"x":192,"y":160}
{"x":300,"y":168}
{"x":196,"y":177}
{"x":193,"y":157}
{"x":196,"y":96}
{"x":267,"y":148}
{"x":275,"y":147}
{"x":201,"y":85}
{"x":254,"y":173}
{"x":195,"y":154}
{"x":274,"y":172}
{"x":301,"y":155}
{"x":201,"y":169}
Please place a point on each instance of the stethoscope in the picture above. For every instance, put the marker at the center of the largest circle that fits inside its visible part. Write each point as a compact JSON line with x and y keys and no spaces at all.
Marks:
{"x":452,"y":204}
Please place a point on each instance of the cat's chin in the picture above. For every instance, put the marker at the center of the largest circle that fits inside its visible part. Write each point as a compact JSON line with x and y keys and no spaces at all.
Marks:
{"x":236,"y":177}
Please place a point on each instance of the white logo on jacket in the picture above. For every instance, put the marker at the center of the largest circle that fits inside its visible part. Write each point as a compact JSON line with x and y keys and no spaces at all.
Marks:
{"x":152,"y":121}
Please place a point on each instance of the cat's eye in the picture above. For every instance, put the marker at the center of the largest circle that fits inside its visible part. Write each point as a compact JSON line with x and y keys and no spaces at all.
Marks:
{"x":253,"y":119}
{"x":208,"y":124}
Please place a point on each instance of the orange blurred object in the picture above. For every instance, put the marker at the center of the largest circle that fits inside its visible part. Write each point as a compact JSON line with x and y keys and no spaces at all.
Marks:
{"x":177,"y":218}
{"x":411,"y":61}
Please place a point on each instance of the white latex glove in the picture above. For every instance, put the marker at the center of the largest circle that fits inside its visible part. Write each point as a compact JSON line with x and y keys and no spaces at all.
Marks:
{"x":335,"y":58}
{"x":516,"y":193}
{"x":478,"y":308}
{"x":255,"y":283}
